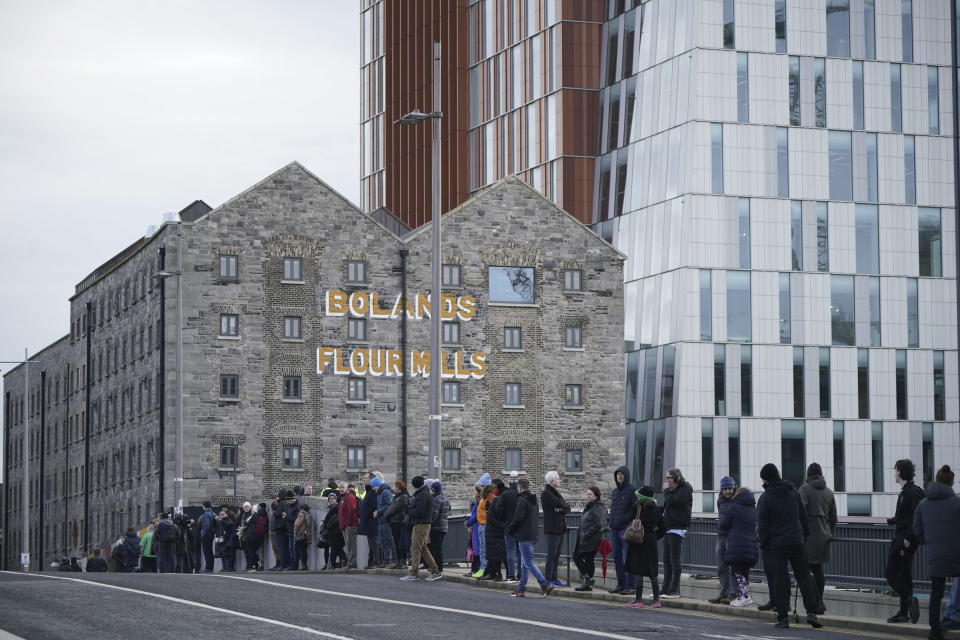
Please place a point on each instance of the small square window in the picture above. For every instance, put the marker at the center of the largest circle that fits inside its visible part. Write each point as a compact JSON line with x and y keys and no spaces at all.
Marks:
{"x":511,"y":394}
{"x":573,"y":338}
{"x":858,"y":504}
{"x":357,"y":329}
{"x":291,"y":328}
{"x":229,"y":385}
{"x":291,"y":456}
{"x":228,"y":455}
{"x":451,"y":333}
{"x":291,"y":388}
{"x":357,"y":389}
{"x":356,"y":458}
{"x":451,"y":393}
{"x":573,"y":398}
{"x":228,"y":267}
{"x":356,"y":271}
{"x":575,"y":460}
{"x":572,"y":280}
{"x":229,"y":324}
{"x":451,"y":459}
{"x":293,"y":269}
{"x":513,"y":460}
{"x":512,"y":338}
{"x":451,"y":275}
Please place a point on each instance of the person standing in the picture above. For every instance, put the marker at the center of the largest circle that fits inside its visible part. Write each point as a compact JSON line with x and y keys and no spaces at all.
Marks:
{"x":936,"y":522}
{"x":148,"y":559}
{"x":439,"y":524}
{"x":495,"y":545}
{"x":593,"y":526}
{"x":257,"y":529}
{"x":208,"y":531}
{"x":302,"y":535}
{"x":349,"y":521}
{"x":728,"y":585}
{"x":677,"y":508}
{"x":396,"y":516}
{"x":421,"y":511}
{"x":821,"y":508}
{"x":278,"y":526}
{"x":506,"y":507}
{"x":165,"y":537}
{"x":384,"y":532}
{"x":781,"y":530}
{"x":904,"y":543}
{"x":244,"y":520}
{"x":738,"y":524}
{"x":227,"y":532}
{"x":523,"y":527}
{"x":290,"y":519}
{"x":367,"y":531}
{"x":332,"y":534}
{"x":555,"y":510}
{"x":642,"y":556}
{"x":127,"y":552}
{"x":622,"y":508}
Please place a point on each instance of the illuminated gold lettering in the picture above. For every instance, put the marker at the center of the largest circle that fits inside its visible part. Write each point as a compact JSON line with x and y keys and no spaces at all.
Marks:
{"x":336,"y":302}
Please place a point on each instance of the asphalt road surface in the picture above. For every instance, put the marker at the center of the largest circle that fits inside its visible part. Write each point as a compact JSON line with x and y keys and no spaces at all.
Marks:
{"x":288,"y":606}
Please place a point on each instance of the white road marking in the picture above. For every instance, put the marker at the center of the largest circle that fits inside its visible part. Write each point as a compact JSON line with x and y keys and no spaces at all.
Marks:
{"x":420,"y":605}
{"x":160,"y":596}
{"x":4,"y":635}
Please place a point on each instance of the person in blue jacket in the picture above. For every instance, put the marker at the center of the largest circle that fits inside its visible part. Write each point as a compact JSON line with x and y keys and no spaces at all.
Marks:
{"x":738,"y":525}
{"x":622,"y":507}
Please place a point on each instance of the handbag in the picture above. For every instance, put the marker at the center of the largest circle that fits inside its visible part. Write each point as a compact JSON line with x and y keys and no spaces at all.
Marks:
{"x":300,"y":537}
{"x":634,"y":532}
{"x":218,"y":548}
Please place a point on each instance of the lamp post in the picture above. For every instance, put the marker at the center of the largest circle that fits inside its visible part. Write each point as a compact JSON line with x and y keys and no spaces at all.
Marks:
{"x":25,"y":453}
{"x":178,"y":390}
{"x":415,"y":117}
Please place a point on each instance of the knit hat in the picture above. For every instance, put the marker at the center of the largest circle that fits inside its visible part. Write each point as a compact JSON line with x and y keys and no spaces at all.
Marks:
{"x":769,"y":473}
{"x":332,"y":496}
{"x":206,"y":504}
{"x":436,"y":487}
{"x":376,"y":482}
{"x":247,"y":504}
{"x":726,"y":482}
{"x":484,"y":480}
{"x":644,"y":493}
{"x":417,"y":482}
{"x":814,"y":470}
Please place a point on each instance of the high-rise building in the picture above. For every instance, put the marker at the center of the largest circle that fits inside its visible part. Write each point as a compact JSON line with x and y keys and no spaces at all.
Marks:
{"x":782,"y":176}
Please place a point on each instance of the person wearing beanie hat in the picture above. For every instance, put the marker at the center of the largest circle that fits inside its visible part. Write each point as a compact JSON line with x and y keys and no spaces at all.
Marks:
{"x":208,"y":531}
{"x":421,"y":512}
{"x":439,"y":525}
{"x":782,"y":527}
{"x":245,"y":519}
{"x":936,"y":522}
{"x":821,"y":508}
{"x":641,"y":557}
{"x":376,"y":482}
{"x":728,"y":583}
{"x":484,"y":480}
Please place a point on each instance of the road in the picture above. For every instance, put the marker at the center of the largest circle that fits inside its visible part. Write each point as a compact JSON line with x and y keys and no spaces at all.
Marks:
{"x":287,"y":606}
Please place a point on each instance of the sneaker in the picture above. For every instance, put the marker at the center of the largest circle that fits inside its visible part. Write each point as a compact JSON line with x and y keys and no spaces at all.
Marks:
{"x":616,"y":589}
{"x":547,"y":590}
{"x":897,"y":618}
{"x":717,"y":600}
{"x":637,"y":604}
{"x":741,"y":602}
{"x":517,"y":594}
{"x":477,"y":574}
{"x":914,"y":611}
{"x":409,"y":578}
{"x":487,"y":576}
{"x":434,"y":576}
{"x":767,"y":606}
{"x":670,"y":596}
{"x":558,"y":584}
{"x":511,"y":580}
{"x":656,"y":604}
{"x":814,"y":621}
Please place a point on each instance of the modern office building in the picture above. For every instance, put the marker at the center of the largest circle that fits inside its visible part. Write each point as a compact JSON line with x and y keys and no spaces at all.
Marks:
{"x":782,"y":176}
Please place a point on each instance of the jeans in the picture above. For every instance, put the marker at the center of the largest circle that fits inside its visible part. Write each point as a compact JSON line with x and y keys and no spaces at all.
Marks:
{"x":350,"y":545}
{"x":283,"y":547}
{"x":513,"y":556}
{"x":672,"y":546}
{"x":624,"y":580}
{"x":528,"y":566}
{"x":206,"y":543}
{"x":777,"y":560}
{"x":387,"y":549}
{"x":900,"y":571}
{"x":953,"y":606}
{"x":227,"y":557}
{"x":300,"y":559}
{"x":291,"y":551}
{"x":724,"y":572}
{"x":553,"y":555}
{"x":436,"y":546}
{"x":419,"y":550}
{"x":482,"y":537}
{"x":166,"y":558}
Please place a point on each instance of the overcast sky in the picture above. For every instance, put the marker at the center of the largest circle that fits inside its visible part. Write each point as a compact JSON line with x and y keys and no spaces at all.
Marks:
{"x":115,"y":111}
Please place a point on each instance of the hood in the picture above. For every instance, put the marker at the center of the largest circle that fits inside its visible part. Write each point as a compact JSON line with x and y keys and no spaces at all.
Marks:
{"x":817,"y":482}
{"x":529,"y":497}
{"x":938,"y":491}
{"x":626,"y":476}
{"x":132,"y":535}
{"x":779,"y":488}
{"x":745,"y":498}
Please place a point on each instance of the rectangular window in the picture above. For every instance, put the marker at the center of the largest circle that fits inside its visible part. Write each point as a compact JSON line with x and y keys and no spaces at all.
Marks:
{"x":706,"y":451}
{"x":799,"y":401}
{"x":716,"y":156}
{"x":572,"y":280}
{"x":793,"y":451}
{"x":870,"y":29}
{"x":824,"y":382}
{"x":451,"y":459}
{"x":291,"y":388}
{"x":733,"y":449}
{"x":626,"y":49}
{"x":871,"y":148}
{"x":229,"y":325}
{"x":666,"y":380}
{"x":783,"y":163}
{"x":572,"y":396}
{"x":939,"y":389}
{"x":842,"y":305}
{"x":573,"y":338}
{"x":719,"y":379}
{"x":858,"y":95}
{"x":743,"y":87}
{"x":511,"y":284}
{"x":291,"y":328}
{"x":868,"y":239}
{"x":780,"y":25}
{"x":574,"y":460}
{"x":913,"y":314}
{"x":649,"y":383}
{"x":823,"y":237}
{"x":863,"y":384}
{"x":738,"y":306}
{"x":621,"y":183}
{"x":746,"y":380}
{"x":451,"y":275}
{"x":875,"y":326}
{"x":613,"y":120}
{"x":513,"y":460}
{"x":356,"y":271}
{"x":356,"y":458}
{"x":839,"y":457}
{"x":511,"y":394}
{"x":706,"y":304}
{"x":838,"y":29}
{"x":356,"y":389}
{"x":785,"y":320}
{"x":729,"y":36}
{"x":743,"y":226}
{"x":896,"y":99}
{"x":933,"y":100}
{"x":909,"y":171}
{"x":357,"y":329}
{"x":794,"y":86}
{"x":796,"y":235}
{"x":901,"y":384}
{"x":876,"y":454}
{"x":230,"y":385}
{"x":451,"y":392}
{"x":927,"y":453}
{"x":512,"y":338}
{"x":858,"y":504}
{"x":906,"y":15}
{"x":819,"y":92}
{"x":451,"y":333}
{"x":841,"y":166}
{"x":228,"y":456}
{"x":931,"y":242}
{"x":228,"y":267}
{"x":293,"y":269}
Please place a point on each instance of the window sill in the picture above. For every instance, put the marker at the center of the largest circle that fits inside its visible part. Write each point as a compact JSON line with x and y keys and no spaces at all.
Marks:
{"x":451,"y":344}
{"x":228,"y":469}
{"x":575,"y":473}
{"x":358,"y":402}
{"x":295,"y":469}
{"x":573,"y":349}
{"x":574,"y":407}
{"x":228,"y":280}
{"x":363,"y":342}
{"x":228,"y":337}
{"x":513,"y":406}
{"x":229,"y":400}
{"x":293,"y":282}
{"x":568,"y":292}
{"x":292,"y":400}
{"x":458,"y":405}
{"x":513,"y":350}
{"x":294,"y":340}
{"x":529,"y":305}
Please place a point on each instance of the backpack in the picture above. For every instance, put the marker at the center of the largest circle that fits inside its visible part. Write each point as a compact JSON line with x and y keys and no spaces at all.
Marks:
{"x":260,"y":526}
{"x":166,"y":533}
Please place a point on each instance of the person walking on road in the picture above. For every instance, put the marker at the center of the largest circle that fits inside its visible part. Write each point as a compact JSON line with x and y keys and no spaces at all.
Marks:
{"x":523,"y":527}
{"x":555,"y":510}
{"x":728,"y":586}
{"x":642,"y":556}
{"x":349,"y":521}
{"x":593,"y":528}
{"x":904,"y":543}
{"x":622,"y":508}
{"x":821,"y":508}
{"x":677,"y":507}
{"x":738,"y":525}
{"x":208,"y":531}
{"x":936,"y":522}
{"x":421,"y":511}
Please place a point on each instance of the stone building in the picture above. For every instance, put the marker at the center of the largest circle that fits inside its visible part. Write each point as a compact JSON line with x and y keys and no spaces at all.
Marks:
{"x":293,"y":354}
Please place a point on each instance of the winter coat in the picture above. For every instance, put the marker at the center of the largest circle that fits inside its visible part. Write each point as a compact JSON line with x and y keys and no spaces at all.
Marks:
{"x":257,"y":528}
{"x":227,"y":529}
{"x":440,"y":513}
{"x":555,"y":510}
{"x":507,"y":504}
{"x":277,"y":522}
{"x":303,"y":525}
{"x":936,"y":522}
{"x":397,"y":510}
{"x":910,"y":496}
{"x":738,"y":524}
{"x":622,"y":501}
{"x":246,"y":519}
{"x":677,"y":505}
{"x":368,"y":524}
{"x":496,"y":528}
{"x":723,"y":503}
{"x":482,"y":511}
{"x":384,"y":498}
{"x":293,"y":510}
{"x":96,"y":565}
{"x":822,"y":517}
{"x":348,"y":511}
{"x":523,"y":527}
{"x":127,"y":553}
{"x":642,"y":558}
{"x":421,"y":506}
{"x":208,"y":523}
{"x":473,"y":523}
{"x":330,"y":488}
{"x":593,"y":522}
{"x":331,"y":526}
{"x":781,"y":518}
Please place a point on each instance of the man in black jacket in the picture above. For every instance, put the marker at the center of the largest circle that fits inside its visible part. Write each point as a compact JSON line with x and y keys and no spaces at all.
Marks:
{"x":904,"y":543}
{"x":555,"y":510}
{"x":278,"y":526}
{"x":524,"y":528}
{"x":507,"y":506}
{"x":622,"y":509}
{"x":677,"y":506}
{"x":96,"y":564}
{"x":782,"y":527}
{"x":127,"y":554}
{"x":421,"y":514}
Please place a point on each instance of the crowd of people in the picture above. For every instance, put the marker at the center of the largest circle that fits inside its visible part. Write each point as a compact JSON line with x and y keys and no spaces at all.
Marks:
{"x":389,"y":526}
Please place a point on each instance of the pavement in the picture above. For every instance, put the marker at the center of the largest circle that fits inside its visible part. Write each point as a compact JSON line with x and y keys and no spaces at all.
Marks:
{"x":354,"y":605}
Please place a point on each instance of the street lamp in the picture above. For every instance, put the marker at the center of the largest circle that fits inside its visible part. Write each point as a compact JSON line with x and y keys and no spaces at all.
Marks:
{"x":415,"y":117}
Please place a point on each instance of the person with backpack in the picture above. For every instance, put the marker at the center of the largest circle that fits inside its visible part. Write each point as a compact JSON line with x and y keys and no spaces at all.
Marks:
{"x":593,"y":526}
{"x":256,"y":532}
{"x":642,"y":556}
{"x":738,"y":525}
{"x":208,"y":531}
{"x":165,"y":536}
{"x":936,"y":522}
{"x":127,"y":553}
{"x":396,"y":516}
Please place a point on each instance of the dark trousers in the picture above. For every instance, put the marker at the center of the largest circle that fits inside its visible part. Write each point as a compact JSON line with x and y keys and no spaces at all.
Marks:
{"x":653,"y":585}
{"x":166,"y":558}
{"x":672,"y":548}
{"x":283,"y":548}
{"x":228,"y":558}
{"x":554,"y":541}
{"x":777,"y":560}
{"x":624,"y":580}
{"x":300,"y":559}
{"x":337,"y":557}
{"x":251,"y":549}
{"x":436,"y":546}
{"x":819,"y":581}
{"x":937,"y":586}
{"x":291,"y":551}
{"x":148,"y":564}
{"x":206,"y":543}
{"x":900,"y":572}
{"x":402,"y":542}
{"x":585,"y":562}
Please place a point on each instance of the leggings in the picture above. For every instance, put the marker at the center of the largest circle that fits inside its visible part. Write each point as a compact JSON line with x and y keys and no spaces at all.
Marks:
{"x":741,"y":572}
{"x":653,"y":583}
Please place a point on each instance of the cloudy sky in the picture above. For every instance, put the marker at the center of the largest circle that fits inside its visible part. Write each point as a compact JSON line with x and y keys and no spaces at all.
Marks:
{"x":113,"y":112}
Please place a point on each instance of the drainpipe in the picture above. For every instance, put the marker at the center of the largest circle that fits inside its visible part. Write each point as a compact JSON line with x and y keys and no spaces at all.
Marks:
{"x":158,"y":452}
{"x":86,"y":432}
{"x":43,"y":460}
{"x":403,"y":371}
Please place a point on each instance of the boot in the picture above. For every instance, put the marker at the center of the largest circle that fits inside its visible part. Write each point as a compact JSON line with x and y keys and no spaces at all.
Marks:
{"x":768,"y":606}
{"x":585,"y":586}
